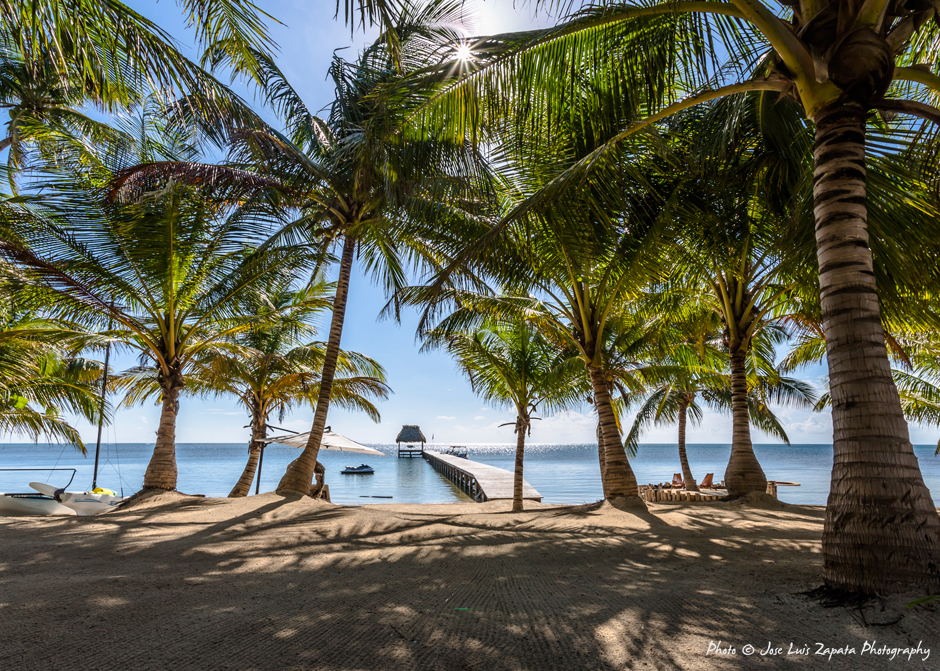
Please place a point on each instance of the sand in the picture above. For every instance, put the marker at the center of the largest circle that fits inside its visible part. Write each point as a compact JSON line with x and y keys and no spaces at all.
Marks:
{"x":272,"y":583}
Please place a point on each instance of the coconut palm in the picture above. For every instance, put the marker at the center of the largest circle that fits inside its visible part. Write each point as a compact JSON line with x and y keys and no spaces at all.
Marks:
{"x":731,"y":247}
{"x":169,"y":271}
{"x":574,"y":266}
{"x":359,"y":182}
{"x":40,"y":373}
{"x":700,"y":370}
{"x":39,"y":383}
{"x":673,"y":385}
{"x":276,"y":367}
{"x":43,"y":107}
{"x":170,"y":267}
{"x":510,"y":364}
{"x":578,"y":296}
{"x":840,"y":61}
{"x":69,"y":54}
{"x":116,"y":46}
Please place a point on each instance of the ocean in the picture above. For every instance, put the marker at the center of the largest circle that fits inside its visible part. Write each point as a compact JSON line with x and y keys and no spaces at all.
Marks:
{"x":561,"y":473}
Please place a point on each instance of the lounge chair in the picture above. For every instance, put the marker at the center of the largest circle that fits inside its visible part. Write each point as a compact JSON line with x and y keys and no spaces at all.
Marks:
{"x":677,"y":481}
{"x":707,"y":482}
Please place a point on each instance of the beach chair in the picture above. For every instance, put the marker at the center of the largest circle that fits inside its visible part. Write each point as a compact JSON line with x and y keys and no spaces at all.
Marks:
{"x":677,"y":481}
{"x":707,"y":482}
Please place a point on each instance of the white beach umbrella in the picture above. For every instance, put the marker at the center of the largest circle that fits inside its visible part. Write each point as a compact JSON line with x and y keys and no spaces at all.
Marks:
{"x":331,"y":441}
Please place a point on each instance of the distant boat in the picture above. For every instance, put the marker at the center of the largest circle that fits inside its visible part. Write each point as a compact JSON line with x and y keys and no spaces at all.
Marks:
{"x":457,"y":451}
{"x":363,"y":469}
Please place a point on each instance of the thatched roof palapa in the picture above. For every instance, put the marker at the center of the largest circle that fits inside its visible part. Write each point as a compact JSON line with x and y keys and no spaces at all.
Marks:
{"x":411,"y":433}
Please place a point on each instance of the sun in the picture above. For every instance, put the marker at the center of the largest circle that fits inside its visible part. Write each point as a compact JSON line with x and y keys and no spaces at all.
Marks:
{"x":463,"y":53}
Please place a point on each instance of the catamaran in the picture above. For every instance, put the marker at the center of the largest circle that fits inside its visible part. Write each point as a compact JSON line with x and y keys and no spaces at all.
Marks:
{"x":48,"y":499}
{"x":51,"y":500}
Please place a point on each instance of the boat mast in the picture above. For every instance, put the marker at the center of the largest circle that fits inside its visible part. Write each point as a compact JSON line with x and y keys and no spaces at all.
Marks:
{"x":104,"y":389}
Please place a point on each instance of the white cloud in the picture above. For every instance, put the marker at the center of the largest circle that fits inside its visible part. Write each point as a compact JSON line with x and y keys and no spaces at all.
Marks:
{"x":445,"y":417}
{"x":815,"y":423}
{"x":479,"y":417}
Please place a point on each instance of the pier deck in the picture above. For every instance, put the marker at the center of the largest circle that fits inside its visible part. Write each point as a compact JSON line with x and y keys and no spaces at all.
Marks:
{"x":480,"y":481}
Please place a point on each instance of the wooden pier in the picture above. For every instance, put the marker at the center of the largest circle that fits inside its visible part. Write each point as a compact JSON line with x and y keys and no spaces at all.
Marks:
{"x":479,"y":481}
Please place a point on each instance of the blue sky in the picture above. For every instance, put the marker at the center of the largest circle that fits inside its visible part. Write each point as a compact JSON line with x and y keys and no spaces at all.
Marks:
{"x":428,"y":390}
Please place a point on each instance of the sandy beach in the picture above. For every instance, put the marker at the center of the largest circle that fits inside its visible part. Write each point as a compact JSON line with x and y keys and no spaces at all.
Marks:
{"x":271,"y":583}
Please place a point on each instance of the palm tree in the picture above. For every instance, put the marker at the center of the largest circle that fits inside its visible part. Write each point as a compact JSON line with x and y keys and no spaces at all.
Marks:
{"x":170,"y":267}
{"x":840,"y":62}
{"x":574,"y":263}
{"x":577,"y":296}
{"x":115,"y":47}
{"x":59,"y":57}
{"x":43,"y":107}
{"x":693,"y":370}
{"x":275,"y":367}
{"x":738,"y":250}
{"x":672,"y":386}
{"x":510,"y":364}
{"x":359,"y":182}
{"x":114,"y":51}
{"x":40,"y":378}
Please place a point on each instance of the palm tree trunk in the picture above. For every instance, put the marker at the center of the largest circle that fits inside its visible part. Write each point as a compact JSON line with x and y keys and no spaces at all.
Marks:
{"x":744,"y":474}
{"x":882,"y":531}
{"x":617,"y":477}
{"x":601,"y":447}
{"x":161,"y":471}
{"x":259,"y":431}
{"x":299,"y":475}
{"x":521,"y":425}
{"x":689,"y":481}
{"x":6,"y":142}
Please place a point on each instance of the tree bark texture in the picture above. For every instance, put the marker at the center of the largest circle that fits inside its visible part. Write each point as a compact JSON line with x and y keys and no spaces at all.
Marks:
{"x":601,"y":447}
{"x":618,"y":478}
{"x":882,"y":531}
{"x":259,"y":431}
{"x":743,"y":474}
{"x":297,"y":479}
{"x":688,"y":481}
{"x":161,"y":471}
{"x":522,"y":424}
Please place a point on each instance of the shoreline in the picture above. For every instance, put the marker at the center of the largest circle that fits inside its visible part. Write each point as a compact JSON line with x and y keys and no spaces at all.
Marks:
{"x":266,"y":582}
{"x":214,"y":471}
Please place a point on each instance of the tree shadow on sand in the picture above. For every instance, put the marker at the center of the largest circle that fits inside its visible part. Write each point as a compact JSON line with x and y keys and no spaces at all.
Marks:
{"x":284,"y":586}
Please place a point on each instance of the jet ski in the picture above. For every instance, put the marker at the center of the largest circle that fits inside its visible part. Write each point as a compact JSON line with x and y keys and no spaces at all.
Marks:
{"x":363,"y":469}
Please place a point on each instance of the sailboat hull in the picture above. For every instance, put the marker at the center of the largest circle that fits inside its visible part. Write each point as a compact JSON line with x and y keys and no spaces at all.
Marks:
{"x":31,"y":505}
{"x":81,"y":503}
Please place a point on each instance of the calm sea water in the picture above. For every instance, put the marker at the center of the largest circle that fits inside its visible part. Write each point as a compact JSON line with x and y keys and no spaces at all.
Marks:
{"x":561,"y":473}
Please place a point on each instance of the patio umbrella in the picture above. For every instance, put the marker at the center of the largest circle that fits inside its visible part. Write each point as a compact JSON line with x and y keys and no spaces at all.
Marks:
{"x":331,"y":441}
